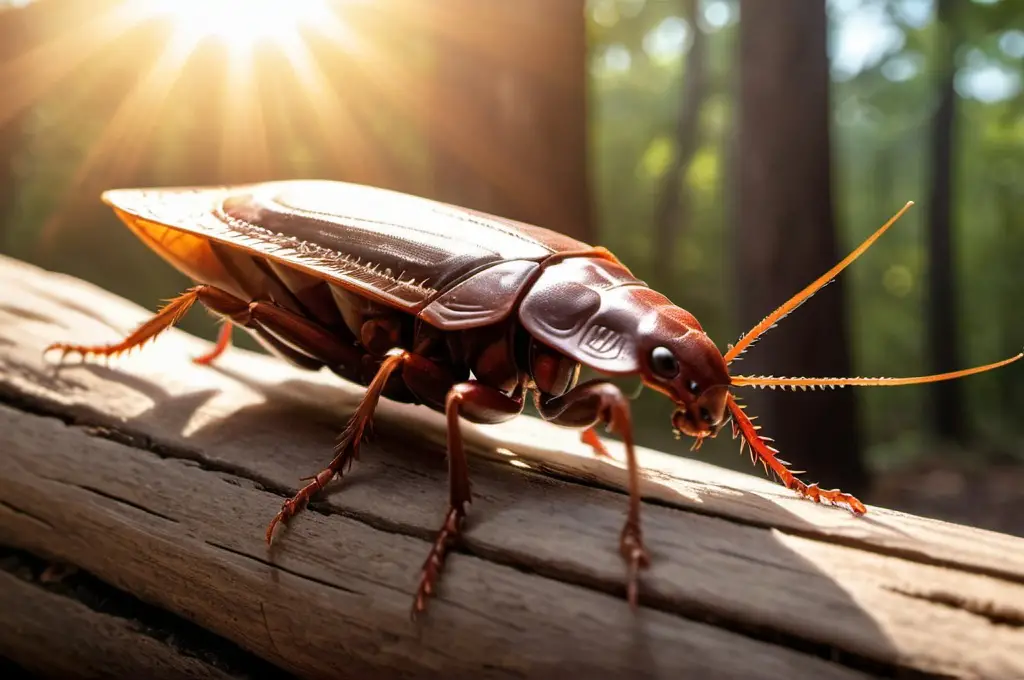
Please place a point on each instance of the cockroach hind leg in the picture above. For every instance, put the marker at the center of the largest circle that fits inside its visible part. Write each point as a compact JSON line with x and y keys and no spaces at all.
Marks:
{"x":168,"y":316}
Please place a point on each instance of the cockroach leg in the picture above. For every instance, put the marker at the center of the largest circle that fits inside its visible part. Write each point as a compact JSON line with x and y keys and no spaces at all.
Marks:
{"x":743,"y":426}
{"x":223,"y":342}
{"x":169,"y":315}
{"x":583,"y":406}
{"x":299,"y":331}
{"x":590,"y":438}
{"x":347,"y":448}
{"x":479,"y":403}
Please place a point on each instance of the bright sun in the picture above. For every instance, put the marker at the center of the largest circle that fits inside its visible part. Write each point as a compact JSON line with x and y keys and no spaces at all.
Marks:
{"x":243,"y":23}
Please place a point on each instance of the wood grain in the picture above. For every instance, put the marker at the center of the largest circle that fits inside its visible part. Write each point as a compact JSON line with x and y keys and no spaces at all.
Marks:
{"x":158,"y":477}
{"x":56,"y":637}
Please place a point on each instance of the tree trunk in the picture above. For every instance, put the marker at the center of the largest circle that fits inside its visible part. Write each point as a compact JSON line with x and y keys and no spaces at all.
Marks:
{"x":12,"y":28}
{"x":21,"y":29}
{"x":674,"y":202}
{"x":947,"y":412}
{"x":786,"y":235}
{"x":42,"y":45}
{"x":508,"y":121}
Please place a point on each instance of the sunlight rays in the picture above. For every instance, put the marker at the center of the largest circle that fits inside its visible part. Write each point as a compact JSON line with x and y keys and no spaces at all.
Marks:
{"x":286,"y":74}
{"x":30,"y":76}
{"x":126,"y":137}
{"x":241,"y":24}
{"x":462,"y":135}
{"x":245,"y":138}
{"x":334,"y":119}
{"x":125,"y":143}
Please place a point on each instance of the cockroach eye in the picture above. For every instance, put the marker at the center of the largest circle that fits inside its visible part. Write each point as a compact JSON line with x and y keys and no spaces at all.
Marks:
{"x":664,"y":363}
{"x":694,"y":387}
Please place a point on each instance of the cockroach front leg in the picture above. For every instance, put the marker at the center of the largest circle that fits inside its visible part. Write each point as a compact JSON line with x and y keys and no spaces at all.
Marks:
{"x":601,"y":401}
{"x":743,"y":426}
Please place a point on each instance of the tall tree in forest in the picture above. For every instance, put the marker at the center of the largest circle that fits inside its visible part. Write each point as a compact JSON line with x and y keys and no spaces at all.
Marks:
{"x":43,"y":46}
{"x":671,"y":213}
{"x":785,"y":234}
{"x":507,"y":110}
{"x":13,"y":30}
{"x":22,"y":31}
{"x":947,"y":412}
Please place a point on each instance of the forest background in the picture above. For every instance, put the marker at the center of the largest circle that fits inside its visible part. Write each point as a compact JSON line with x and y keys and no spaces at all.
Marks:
{"x":728,"y":151}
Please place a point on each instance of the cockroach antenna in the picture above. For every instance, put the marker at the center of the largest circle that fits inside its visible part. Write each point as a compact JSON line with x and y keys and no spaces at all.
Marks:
{"x":770,"y":321}
{"x":743,"y":425}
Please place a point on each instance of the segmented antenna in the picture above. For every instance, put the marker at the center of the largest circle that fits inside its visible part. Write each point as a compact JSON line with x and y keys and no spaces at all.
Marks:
{"x":803,"y":296}
{"x":772,"y":382}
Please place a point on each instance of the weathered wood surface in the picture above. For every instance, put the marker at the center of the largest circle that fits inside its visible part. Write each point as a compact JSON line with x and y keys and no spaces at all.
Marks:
{"x":158,"y":477}
{"x":58,"y":636}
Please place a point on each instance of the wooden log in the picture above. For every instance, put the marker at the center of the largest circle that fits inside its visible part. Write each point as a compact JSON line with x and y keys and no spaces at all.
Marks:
{"x":157,"y":477}
{"x":58,"y":635}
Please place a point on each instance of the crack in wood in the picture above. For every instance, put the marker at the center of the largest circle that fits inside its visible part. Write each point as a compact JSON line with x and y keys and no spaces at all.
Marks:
{"x":266,"y":627}
{"x":695,"y":611}
{"x":991,"y":611}
{"x":24,"y":513}
{"x":92,"y":424}
{"x":286,"y":570}
{"x":117,"y":499}
{"x":183,"y":636}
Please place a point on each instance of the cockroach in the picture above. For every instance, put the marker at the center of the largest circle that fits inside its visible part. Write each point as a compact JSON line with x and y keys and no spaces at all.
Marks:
{"x":461,"y":311}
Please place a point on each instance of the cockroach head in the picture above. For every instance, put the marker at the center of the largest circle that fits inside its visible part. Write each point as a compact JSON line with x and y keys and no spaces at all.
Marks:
{"x":679,"y":360}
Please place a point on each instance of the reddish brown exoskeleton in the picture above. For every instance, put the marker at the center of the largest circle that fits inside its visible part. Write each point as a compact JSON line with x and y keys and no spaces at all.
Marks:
{"x":464,"y":312}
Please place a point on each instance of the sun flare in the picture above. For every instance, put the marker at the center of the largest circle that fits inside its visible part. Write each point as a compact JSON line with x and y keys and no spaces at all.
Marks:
{"x":289,"y":69}
{"x":243,"y":23}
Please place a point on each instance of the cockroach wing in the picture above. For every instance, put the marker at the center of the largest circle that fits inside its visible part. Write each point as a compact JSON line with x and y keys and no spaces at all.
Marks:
{"x":398,"y":249}
{"x":587,"y":308}
{"x":484,"y":298}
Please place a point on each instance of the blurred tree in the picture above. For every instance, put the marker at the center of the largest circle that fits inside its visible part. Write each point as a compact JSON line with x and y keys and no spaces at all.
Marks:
{"x":785,"y":234}
{"x":14,"y":30}
{"x":947,"y":413}
{"x":23,"y":30}
{"x":672,"y":212}
{"x":507,"y":111}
